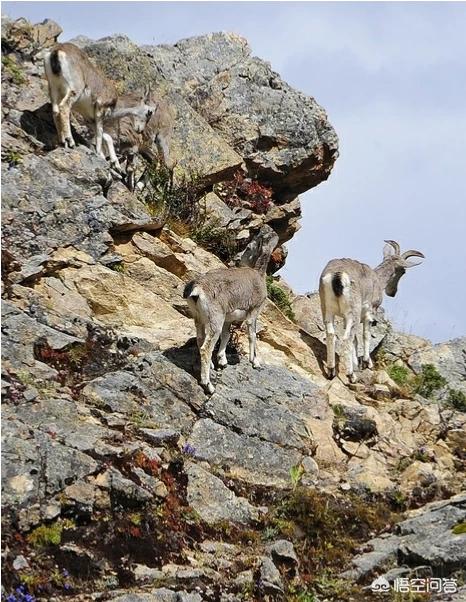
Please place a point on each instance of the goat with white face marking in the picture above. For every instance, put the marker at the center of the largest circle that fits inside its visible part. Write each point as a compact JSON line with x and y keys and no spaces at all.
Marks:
{"x":227,"y":295}
{"x":354,"y":291}
{"x":75,"y":83}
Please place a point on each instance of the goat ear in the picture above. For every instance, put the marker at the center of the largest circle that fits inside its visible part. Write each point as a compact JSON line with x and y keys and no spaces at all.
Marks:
{"x":388,"y":251}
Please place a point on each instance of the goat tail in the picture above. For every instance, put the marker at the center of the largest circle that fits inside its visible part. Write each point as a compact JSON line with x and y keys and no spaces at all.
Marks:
{"x":336,"y":283}
{"x":55,"y":62}
{"x":191,"y":291}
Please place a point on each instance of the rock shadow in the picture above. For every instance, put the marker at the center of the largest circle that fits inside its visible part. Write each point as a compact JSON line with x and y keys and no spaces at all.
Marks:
{"x":40,"y":125}
{"x":187,"y":357}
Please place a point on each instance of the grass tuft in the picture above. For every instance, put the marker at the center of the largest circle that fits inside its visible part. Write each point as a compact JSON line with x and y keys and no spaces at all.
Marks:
{"x":13,"y":69}
{"x":280,"y":297}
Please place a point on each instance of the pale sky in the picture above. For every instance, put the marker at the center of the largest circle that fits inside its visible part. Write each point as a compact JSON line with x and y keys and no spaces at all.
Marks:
{"x":392,"y":78}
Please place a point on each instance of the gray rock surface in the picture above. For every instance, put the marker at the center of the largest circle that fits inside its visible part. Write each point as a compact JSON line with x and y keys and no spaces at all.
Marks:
{"x":425,"y":539}
{"x":214,"y":502}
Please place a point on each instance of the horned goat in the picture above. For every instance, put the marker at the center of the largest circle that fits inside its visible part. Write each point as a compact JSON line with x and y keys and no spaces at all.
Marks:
{"x":156,"y":136}
{"x":227,"y":295}
{"x":75,"y":83}
{"x":354,"y":291}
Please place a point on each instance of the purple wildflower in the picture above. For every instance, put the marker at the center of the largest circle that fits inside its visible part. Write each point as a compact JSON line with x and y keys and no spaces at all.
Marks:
{"x":188,"y":449}
{"x":67,"y":586}
{"x":11,"y":598}
{"x":65,"y":573}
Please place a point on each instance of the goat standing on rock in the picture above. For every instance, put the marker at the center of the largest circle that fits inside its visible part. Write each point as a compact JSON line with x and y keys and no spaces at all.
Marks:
{"x":153,"y":143}
{"x":354,"y":291}
{"x":227,"y":295}
{"x":74,"y":82}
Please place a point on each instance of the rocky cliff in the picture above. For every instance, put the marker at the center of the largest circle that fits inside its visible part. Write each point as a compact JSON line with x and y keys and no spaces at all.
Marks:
{"x":121,"y":479}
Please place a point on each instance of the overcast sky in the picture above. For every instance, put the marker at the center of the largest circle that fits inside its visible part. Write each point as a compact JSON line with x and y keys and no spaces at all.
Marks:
{"x":392,"y":78}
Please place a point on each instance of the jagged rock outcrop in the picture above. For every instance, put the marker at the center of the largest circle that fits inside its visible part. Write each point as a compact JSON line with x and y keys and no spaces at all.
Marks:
{"x":283,"y":136}
{"x":121,"y":479}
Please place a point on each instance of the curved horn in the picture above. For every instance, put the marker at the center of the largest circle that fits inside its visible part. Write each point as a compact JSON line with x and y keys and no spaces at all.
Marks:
{"x":395,"y":245}
{"x":412,"y":253}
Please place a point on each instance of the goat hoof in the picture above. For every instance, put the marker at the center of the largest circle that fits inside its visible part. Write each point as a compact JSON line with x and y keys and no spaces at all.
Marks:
{"x":222,"y":364}
{"x":366,"y":363}
{"x":208,"y":388}
{"x":331,"y":373}
{"x":351,"y":378}
{"x":256,"y":365}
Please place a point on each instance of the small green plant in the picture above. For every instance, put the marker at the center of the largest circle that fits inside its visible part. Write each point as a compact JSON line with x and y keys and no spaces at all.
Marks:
{"x":296,"y":474}
{"x":12,"y":157}
{"x":49,"y":535}
{"x":459,"y":529}
{"x":280,"y":297}
{"x":211,"y":236}
{"x":173,"y":200}
{"x":399,"y":373}
{"x":269,"y":533}
{"x":118,"y":267}
{"x":13,"y":69}
{"x":428,"y":381}
{"x":421,"y":455}
{"x":404,"y":463}
{"x":135,"y":518}
{"x":399,"y":500}
{"x":456,"y":399}
{"x":303,"y":596}
{"x":142,"y":419}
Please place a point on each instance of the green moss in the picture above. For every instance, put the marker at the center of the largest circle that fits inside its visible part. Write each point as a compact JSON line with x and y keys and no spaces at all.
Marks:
{"x":13,"y":69}
{"x":428,"y":381}
{"x":459,"y":529}
{"x":49,"y":535}
{"x":280,"y":297}
{"x":456,"y":399}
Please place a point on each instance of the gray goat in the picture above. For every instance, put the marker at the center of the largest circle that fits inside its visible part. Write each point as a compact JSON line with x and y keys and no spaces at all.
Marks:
{"x":156,"y":136}
{"x":227,"y":295}
{"x":74,"y":82}
{"x":354,"y":291}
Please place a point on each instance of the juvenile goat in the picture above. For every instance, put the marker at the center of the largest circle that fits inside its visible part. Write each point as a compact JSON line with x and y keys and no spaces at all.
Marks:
{"x":227,"y":295}
{"x":354,"y":291}
{"x":74,"y":82}
{"x":156,"y":136}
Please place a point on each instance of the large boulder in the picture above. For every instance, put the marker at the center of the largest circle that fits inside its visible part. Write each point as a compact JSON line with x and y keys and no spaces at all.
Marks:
{"x":283,"y":135}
